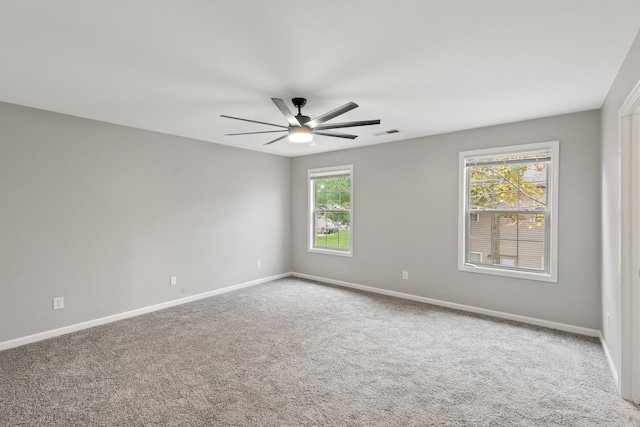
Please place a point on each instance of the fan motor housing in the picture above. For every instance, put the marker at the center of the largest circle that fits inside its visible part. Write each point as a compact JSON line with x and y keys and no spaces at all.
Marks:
{"x":302,"y":119}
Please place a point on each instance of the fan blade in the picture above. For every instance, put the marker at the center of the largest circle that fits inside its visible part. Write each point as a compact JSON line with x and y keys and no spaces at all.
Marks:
{"x":348,"y":124}
{"x":331,"y":114}
{"x":254,"y":121}
{"x":277,"y":139}
{"x":252,"y":133}
{"x":285,"y":110}
{"x":336,"y":134}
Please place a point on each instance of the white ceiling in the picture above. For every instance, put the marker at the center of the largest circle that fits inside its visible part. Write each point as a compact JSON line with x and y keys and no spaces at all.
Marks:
{"x":422,"y":67}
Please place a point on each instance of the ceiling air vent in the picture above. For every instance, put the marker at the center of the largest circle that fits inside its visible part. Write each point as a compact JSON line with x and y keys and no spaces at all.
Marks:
{"x":387,"y":132}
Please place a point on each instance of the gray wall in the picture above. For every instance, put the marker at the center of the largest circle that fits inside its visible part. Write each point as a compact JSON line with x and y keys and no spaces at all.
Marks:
{"x":626,"y":80}
{"x":405,"y":218}
{"x":103,"y":215}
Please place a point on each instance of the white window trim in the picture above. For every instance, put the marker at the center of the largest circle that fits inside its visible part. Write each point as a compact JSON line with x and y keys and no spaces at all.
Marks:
{"x":552,"y":198}
{"x":310,"y":204}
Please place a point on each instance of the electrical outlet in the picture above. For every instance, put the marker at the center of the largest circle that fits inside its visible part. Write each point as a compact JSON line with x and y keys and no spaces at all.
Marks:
{"x":174,"y":280}
{"x":405,"y":275}
{"x":58,"y":303}
{"x":258,"y":264}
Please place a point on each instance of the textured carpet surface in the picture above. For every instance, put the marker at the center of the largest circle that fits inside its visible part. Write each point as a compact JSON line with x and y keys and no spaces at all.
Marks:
{"x":298,"y":353}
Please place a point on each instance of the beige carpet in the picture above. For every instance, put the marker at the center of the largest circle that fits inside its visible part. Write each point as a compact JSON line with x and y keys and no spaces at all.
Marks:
{"x":298,"y":353}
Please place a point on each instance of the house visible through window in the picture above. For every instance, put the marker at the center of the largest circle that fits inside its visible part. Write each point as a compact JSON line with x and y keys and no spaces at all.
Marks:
{"x":330,"y":217}
{"x":475,"y":257}
{"x":508,"y":204}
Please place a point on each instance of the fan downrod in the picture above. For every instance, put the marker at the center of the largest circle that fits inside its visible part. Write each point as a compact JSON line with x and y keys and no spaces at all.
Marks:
{"x":300,"y":102}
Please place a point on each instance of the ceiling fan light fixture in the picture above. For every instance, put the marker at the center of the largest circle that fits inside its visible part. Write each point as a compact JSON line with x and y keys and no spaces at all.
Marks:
{"x":301,"y":128}
{"x":300,"y":135}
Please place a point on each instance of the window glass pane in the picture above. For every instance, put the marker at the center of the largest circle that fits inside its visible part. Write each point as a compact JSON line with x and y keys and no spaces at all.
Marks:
{"x":480,"y":188}
{"x":532,"y":228}
{"x":507,"y":239}
{"x":507,"y":187}
{"x":320,"y":222}
{"x":531,"y":255}
{"x":480,"y":197}
{"x":495,"y":237}
{"x":333,"y":231}
{"x":333,"y":193}
{"x":321,"y":200}
{"x":480,"y":238}
{"x":534,"y":186}
{"x":504,"y":240}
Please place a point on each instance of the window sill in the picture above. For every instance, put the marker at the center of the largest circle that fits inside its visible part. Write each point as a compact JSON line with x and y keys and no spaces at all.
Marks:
{"x":528,"y":275}
{"x":330,"y":252}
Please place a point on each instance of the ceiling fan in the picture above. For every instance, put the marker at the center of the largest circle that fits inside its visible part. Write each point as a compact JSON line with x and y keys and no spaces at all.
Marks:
{"x":302,"y":128}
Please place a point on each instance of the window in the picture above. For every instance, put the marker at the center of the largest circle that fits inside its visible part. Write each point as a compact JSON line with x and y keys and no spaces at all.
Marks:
{"x":508,"y":211}
{"x":330,"y":195}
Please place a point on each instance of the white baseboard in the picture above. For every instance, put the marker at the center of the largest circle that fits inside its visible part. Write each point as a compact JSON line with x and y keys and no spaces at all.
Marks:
{"x":612,"y":366}
{"x":101,"y":321}
{"x":120,"y":316}
{"x":529,"y":320}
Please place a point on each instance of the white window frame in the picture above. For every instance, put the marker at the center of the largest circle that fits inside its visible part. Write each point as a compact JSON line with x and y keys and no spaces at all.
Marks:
{"x":311,"y":229}
{"x":551,"y":275}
